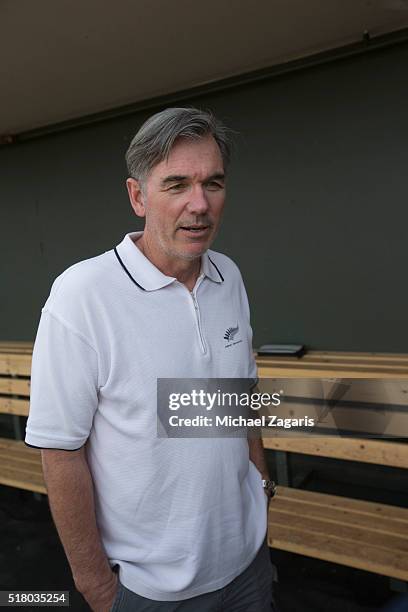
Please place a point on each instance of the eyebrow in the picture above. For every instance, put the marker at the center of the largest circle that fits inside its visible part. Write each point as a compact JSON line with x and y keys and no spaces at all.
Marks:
{"x":176,"y":178}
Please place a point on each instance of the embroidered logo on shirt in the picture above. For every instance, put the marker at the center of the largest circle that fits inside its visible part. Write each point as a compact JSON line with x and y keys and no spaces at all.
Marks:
{"x":230,"y":334}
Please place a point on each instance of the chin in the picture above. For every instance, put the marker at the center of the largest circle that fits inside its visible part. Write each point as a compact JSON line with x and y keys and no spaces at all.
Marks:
{"x":189,"y":255}
{"x":191,"y":251}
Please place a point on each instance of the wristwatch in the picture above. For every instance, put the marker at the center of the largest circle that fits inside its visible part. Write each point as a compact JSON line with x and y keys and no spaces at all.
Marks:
{"x":269,"y":487}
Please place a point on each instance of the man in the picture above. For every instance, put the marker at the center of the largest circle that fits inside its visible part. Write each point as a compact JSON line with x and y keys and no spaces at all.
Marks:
{"x":182,"y":522}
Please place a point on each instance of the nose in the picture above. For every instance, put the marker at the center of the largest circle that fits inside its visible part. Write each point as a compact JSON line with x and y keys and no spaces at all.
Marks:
{"x":198,"y":203}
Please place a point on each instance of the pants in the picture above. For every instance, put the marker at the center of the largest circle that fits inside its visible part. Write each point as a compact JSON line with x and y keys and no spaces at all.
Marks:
{"x":251,"y":591}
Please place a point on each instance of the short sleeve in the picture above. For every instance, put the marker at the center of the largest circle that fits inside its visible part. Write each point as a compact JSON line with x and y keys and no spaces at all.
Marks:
{"x":64,"y":386}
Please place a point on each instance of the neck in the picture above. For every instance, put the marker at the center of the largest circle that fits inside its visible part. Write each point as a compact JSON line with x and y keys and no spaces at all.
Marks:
{"x":186,"y":271}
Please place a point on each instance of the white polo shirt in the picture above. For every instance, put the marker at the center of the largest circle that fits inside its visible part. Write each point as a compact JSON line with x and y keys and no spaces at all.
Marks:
{"x":181,"y":516}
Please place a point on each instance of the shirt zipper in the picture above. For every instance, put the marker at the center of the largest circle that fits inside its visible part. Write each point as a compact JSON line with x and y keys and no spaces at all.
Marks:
{"x":198,"y":319}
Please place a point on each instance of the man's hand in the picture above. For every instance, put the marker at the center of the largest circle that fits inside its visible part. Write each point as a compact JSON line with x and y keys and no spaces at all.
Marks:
{"x":100,"y":598}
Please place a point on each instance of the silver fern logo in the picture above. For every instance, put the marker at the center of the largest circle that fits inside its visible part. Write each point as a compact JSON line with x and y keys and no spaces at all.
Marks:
{"x":230,"y":333}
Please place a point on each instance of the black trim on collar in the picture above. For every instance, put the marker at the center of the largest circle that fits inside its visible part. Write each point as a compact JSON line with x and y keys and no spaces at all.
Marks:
{"x":127,"y":271}
{"x":221,"y":276}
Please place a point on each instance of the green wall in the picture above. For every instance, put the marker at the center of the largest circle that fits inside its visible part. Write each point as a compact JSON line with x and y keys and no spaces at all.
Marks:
{"x":317,"y":210}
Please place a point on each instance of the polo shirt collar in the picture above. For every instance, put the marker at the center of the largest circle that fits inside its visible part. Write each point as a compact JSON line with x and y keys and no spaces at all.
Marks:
{"x":210,"y":269}
{"x":139,"y":267}
{"x":145,"y":274}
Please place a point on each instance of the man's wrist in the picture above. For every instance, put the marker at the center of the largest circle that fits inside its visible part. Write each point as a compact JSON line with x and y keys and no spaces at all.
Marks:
{"x":87,"y":582}
{"x":269,"y":487}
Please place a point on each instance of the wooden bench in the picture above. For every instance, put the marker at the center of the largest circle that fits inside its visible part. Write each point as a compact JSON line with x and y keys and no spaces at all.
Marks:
{"x":357,"y":533}
{"x":20,"y":466}
{"x":361,"y":534}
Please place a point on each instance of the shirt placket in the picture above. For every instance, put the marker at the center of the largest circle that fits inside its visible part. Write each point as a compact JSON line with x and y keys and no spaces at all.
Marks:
{"x":197,"y":315}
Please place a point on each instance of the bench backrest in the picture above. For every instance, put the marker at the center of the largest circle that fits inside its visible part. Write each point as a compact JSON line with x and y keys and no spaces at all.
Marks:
{"x":15,"y":368}
{"x":390,"y":453}
{"x":335,"y":364}
{"x":320,"y":364}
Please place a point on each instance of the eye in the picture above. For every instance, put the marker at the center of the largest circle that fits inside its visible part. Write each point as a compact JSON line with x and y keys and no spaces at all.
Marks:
{"x":214,"y":186}
{"x":177,"y":187}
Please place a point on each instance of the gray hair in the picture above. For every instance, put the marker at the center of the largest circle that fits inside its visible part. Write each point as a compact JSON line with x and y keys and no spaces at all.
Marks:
{"x":153,"y":142}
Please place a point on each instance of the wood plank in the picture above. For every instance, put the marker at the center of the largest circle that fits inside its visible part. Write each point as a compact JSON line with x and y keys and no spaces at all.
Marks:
{"x":353,"y":554}
{"x":22,"y":480}
{"x":339,"y":516}
{"x":368,"y":509}
{"x":14,"y":406}
{"x":18,"y":445}
{"x":21,"y":464}
{"x":332,"y":358}
{"x":331,"y":370}
{"x":17,"y":458}
{"x":16,"y":343}
{"x":321,"y":361}
{"x":345,"y":360}
{"x":394,"y":454}
{"x":362,"y":423}
{"x":360,"y":356}
{"x":21,"y":459}
{"x":392,"y":364}
{"x":17,"y":364}
{"x":340,"y":357}
{"x":363,"y":535}
{"x":349,"y":360}
{"x":345,"y":364}
{"x":361,"y":390}
{"x":17,"y":451}
{"x":301,"y":372}
{"x":15,"y":386}
{"x":15,"y":351}
{"x":311,"y":370}
{"x":15,"y":346}
{"x":376,"y":408}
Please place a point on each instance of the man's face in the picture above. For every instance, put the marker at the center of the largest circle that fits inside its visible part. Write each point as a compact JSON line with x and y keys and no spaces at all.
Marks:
{"x":183,"y":199}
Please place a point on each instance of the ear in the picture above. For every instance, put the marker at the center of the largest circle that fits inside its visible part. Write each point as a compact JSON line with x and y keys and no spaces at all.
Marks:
{"x":135,"y":196}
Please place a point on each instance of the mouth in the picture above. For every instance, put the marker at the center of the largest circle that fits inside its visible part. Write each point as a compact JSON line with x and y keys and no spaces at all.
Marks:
{"x":195,"y":230}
